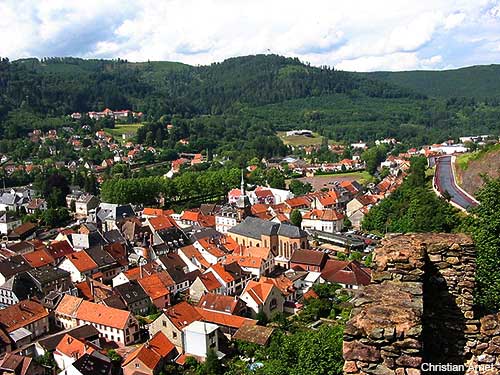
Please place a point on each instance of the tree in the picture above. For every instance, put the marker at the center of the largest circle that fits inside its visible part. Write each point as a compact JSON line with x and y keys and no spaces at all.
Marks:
{"x":485,"y":230}
{"x":296,"y":218}
{"x":275,"y":179}
{"x":297,"y":187}
{"x":212,"y":365}
{"x":373,"y":157}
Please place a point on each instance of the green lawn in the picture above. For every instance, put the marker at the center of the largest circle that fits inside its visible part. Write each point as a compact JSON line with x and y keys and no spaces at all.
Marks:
{"x":123,"y":129}
{"x":463,"y":160}
{"x":362,"y":177}
{"x":300,"y":140}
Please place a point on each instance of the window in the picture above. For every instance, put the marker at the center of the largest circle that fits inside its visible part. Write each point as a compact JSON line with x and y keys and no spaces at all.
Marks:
{"x":137,"y":365}
{"x":164,"y":323}
{"x":273,"y":304}
{"x":174,"y":334}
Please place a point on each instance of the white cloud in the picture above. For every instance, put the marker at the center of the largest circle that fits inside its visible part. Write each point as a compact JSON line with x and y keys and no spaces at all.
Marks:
{"x":360,"y":34}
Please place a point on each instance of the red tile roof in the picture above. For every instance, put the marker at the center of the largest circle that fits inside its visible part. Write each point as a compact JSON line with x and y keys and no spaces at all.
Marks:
{"x":59,"y":249}
{"x":182,"y":314}
{"x":258,"y":291}
{"x":104,"y":315}
{"x":209,"y":281}
{"x":344,"y":272}
{"x":161,"y":222}
{"x":82,"y":261}
{"x":73,"y":347}
{"x":152,"y":352}
{"x":38,"y":258}
{"x":227,"y":320}
{"x":154,"y":286}
{"x":21,"y":314}
{"x":325,"y":215}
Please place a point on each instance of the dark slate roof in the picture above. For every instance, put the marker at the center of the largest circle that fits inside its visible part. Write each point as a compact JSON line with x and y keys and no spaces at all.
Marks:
{"x":310,"y":257}
{"x":114,"y":236}
{"x":172,"y":260}
{"x":291,"y":231}
{"x":203,"y":232}
{"x":20,"y":247}
{"x":89,"y":364}
{"x":84,"y":332}
{"x":114,"y":211}
{"x":13,"y":265}
{"x":101,"y":257}
{"x":173,"y":237}
{"x":131,"y":292}
{"x":8,"y":217}
{"x":255,"y":228}
{"x":47,"y":274}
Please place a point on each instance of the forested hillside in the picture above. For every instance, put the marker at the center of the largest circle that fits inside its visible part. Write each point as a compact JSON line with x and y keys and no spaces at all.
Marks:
{"x":238,"y":104}
{"x":475,"y":81}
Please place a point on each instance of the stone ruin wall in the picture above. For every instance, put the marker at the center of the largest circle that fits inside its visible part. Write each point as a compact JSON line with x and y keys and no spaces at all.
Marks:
{"x":419,"y":309}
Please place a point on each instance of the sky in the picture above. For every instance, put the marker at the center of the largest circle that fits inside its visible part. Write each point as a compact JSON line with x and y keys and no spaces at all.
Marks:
{"x":346,"y":34}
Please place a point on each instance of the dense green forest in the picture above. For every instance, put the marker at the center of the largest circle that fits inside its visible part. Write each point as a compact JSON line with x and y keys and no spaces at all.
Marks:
{"x":474,"y":81}
{"x":236,"y":105}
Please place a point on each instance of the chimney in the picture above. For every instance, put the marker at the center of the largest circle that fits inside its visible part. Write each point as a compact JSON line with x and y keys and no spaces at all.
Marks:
{"x":91,"y":288}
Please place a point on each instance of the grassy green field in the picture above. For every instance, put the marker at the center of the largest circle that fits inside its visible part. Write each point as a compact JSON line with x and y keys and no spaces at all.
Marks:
{"x":121,"y":129}
{"x":463,"y":160}
{"x":300,"y":140}
{"x":362,"y":177}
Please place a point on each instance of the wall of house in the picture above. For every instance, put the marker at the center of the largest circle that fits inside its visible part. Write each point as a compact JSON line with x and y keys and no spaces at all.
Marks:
{"x":164,"y":325}
{"x":423,"y":287}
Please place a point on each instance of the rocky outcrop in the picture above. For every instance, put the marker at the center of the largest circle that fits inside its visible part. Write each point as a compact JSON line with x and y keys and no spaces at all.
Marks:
{"x":419,"y":307}
{"x":486,"y":351}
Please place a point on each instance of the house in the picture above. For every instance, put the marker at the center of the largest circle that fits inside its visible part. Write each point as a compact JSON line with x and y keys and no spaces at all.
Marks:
{"x":227,"y":217}
{"x":107,"y":266}
{"x":70,"y":349}
{"x":113,"y":324}
{"x":254,"y":334}
{"x":36,"y":204}
{"x":221,"y":303}
{"x":199,"y":338}
{"x":210,"y":249}
{"x":39,"y":258}
{"x":24,"y":231}
{"x":80,"y":266}
{"x":27,"y":319}
{"x":308,"y":260}
{"x":327,"y":220}
{"x":150,"y":357}
{"x":15,"y":364}
{"x":134,"y":297}
{"x":8,"y":221}
{"x":192,"y":257}
{"x":85,"y":203}
{"x":89,"y":364}
{"x":230,"y":276}
{"x":172,"y":321}
{"x":256,"y":260}
{"x":85,"y":333}
{"x":12,"y":266}
{"x":109,"y":214}
{"x":205,"y":283}
{"x":262,"y":298}
{"x":10,"y":202}
{"x":156,"y":287}
{"x":282,"y":239}
{"x":348,"y":274}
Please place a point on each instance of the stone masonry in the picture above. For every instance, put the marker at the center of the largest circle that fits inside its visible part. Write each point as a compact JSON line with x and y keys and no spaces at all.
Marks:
{"x":419,"y":309}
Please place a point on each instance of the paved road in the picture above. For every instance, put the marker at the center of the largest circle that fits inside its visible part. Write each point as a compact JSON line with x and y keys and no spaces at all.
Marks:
{"x":445,"y":182}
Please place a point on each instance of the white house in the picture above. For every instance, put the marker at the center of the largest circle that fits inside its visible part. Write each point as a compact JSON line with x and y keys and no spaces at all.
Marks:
{"x":329,"y":220}
{"x":8,"y":222}
{"x":200,"y":338}
{"x":80,"y":266}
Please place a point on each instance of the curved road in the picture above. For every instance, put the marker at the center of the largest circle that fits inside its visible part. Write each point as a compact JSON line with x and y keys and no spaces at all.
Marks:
{"x":445,"y":181}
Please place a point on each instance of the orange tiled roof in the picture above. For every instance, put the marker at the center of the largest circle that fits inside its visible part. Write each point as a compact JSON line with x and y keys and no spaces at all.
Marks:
{"x":211,"y":248}
{"x":21,"y":314}
{"x":38,"y":258}
{"x":219,"y":269}
{"x":73,"y":347}
{"x":258,"y":291}
{"x":227,"y":320}
{"x":182,"y":314}
{"x":192,"y":252}
{"x":152,"y":352}
{"x":325,"y":215}
{"x":209,"y":281}
{"x":161,"y":222}
{"x":244,"y":261}
{"x":101,"y":314}
{"x":82,"y":261}
{"x":191,"y":215}
{"x":154,"y":286}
